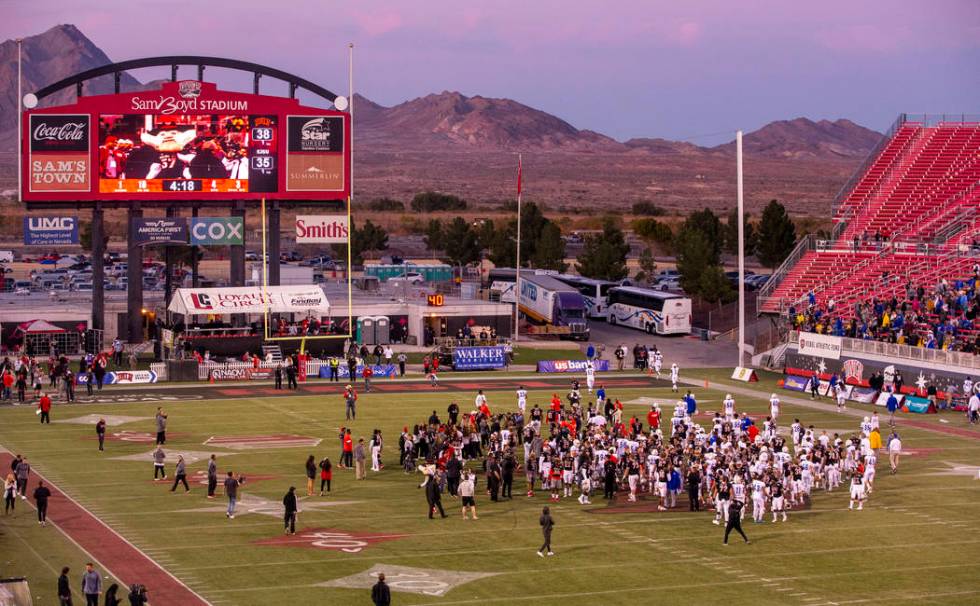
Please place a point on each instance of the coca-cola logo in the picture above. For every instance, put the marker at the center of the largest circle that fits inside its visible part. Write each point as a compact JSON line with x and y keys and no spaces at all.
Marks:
{"x":59,"y":133}
{"x":70,"y":131}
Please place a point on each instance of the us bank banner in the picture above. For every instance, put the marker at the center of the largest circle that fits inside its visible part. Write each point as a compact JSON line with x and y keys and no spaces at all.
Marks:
{"x":250,"y":300}
{"x":820,"y":346}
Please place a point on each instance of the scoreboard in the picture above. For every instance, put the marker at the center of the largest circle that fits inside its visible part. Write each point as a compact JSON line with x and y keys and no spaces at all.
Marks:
{"x":187,"y":140}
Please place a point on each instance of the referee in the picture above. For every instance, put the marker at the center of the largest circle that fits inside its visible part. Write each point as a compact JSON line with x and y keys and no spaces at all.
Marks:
{"x":734,"y":520}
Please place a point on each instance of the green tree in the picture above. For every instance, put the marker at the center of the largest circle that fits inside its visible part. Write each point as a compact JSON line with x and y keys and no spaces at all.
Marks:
{"x":434,"y":201}
{"x":655,"y":232}
{"x":501,"y":245}
{"x":647,"y":265}
{"x":604,"y":256}
{"x":434,"y":235}
{"x":85,"y":236}
{"x":777,"y":235}
{"x":371,"y":237}
{"x":714,"y":286}
{"x":386,"y":204}
{"x":694,"y":257}
{"x":708,"y":224}
{"x":731,"y":234}
{"x":460,"y":242}
{"x":549,"y":250}
{"x":647,"y":209}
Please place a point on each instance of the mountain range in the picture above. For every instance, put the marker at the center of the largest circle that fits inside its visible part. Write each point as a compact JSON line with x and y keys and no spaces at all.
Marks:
{"x":421,"y":143}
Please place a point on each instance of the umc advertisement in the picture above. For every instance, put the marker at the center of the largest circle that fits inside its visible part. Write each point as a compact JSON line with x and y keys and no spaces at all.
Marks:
{"x":50,"y":231}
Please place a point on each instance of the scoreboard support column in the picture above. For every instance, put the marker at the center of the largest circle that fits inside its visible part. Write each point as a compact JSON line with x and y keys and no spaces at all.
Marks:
{"x":134,"y":278}
{"x":98,"y":268}
{"x":168,"y":260}
{"x":195,"y":279}
{"x":237,"y":259}
{"x":274,"y":244}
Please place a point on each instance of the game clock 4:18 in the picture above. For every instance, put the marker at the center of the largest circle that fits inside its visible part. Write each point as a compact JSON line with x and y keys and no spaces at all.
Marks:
{"x":182,"y":185}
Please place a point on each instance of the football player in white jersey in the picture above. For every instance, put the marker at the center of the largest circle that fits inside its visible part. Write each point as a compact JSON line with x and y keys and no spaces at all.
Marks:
{"x":857,"y":491}
{"x":738,"y":494}
{"x":590,"y":375}
{"x":675,"y":374}
{"x":658,"y":362}
{"x":869,"y":472}
{"x":521,"y":398}
{"x":758,"y":500}
{"x":774,"y":407}
{"x":866,"y":427}
{"x":729,"y":405}
{"x":841,"y":397}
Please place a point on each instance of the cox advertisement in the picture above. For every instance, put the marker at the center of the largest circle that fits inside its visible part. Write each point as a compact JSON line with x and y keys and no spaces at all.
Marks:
{"x":571,"y":365}
{"x":479,"y":358}
{"x":49,"y":231}
{"x":217,"y":231}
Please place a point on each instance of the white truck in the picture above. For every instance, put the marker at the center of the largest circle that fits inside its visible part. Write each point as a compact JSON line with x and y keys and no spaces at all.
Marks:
{"x":547,"y":301}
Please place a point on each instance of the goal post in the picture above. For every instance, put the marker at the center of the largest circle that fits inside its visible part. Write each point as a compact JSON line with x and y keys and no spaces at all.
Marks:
{"x":268,"y":336}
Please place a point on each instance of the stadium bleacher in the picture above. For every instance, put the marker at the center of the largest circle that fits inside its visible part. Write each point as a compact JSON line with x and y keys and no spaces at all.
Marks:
{"x":910,"y":214}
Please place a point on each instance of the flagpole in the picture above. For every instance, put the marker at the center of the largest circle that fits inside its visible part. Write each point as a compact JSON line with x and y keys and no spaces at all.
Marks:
{"x":741,"y":250}
{"x":517,"y":280}
{"x":350,"y":110}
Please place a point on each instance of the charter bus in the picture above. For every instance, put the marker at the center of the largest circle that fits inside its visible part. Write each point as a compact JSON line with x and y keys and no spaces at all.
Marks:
{"x":595,"y":292}
{"x":653,"y":311}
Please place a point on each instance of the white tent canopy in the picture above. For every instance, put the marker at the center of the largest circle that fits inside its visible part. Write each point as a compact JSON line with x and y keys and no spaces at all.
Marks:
{"x":250,"y":300}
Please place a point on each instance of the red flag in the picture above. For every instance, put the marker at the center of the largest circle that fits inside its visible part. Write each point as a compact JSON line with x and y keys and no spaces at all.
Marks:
{"x":519,"y":168}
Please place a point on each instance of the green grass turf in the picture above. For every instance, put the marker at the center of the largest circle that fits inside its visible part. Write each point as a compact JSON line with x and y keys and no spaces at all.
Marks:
{"x":911,"y":545}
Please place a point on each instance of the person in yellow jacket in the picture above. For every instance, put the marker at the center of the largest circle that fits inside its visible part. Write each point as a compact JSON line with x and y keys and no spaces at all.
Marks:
{"x":874,"y":438}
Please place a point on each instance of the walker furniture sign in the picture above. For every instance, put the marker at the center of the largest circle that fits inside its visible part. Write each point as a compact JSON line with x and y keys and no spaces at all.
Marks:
{"x":479,"y":358}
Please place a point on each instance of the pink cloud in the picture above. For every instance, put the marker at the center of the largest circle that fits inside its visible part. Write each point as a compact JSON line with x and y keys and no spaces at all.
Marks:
{"x":686,"y":34}
{"x":863,"y":37}
{"x":378,"y":23}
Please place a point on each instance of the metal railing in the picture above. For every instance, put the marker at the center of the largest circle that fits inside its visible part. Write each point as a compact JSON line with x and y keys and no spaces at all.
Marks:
{"x":808,"y":243}
{"x":906,"y":352}
{"x":845,"y":190}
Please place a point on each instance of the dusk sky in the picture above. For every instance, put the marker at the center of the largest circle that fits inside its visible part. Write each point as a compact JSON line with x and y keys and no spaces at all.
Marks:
{"x":628,"y":68}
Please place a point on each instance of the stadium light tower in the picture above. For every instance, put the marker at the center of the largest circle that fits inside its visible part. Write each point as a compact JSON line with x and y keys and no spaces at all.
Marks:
{"x":20,"y":111}
{"x":741,"y":250}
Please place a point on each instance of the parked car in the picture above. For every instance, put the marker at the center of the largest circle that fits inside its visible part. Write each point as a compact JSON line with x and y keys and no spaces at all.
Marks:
{"x":411,"y":277}
{"x":320,"y":262}
{"x":251,"y":255}
{"x":668,"y":284}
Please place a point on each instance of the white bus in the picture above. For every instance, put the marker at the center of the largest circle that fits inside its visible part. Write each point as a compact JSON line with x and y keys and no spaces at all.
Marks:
{"x":653,"y":311}
{"x":596,"y":293}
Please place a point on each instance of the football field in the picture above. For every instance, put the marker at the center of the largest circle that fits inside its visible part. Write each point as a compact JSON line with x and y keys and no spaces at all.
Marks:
{"x":914,"y":542}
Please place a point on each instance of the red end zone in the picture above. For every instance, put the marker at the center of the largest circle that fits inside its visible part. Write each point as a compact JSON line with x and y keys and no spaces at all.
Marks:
{"x":328,"y":538}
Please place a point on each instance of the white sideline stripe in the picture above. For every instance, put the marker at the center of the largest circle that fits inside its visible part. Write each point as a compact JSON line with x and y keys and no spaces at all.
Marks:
{"x":110,"y":529}
{"x":635,"y":539}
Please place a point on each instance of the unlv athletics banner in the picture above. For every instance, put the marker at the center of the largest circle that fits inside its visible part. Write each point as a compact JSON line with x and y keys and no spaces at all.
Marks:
{"x":250,"y":300}
{"x":820,"y":346}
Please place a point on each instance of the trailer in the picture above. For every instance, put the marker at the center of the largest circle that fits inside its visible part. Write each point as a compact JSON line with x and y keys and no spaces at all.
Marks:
{"x":557,"y":306}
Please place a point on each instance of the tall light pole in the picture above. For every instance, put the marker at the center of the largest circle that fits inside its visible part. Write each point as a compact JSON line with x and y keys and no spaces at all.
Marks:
{"x":517,"y":277}
{"x":741,"y":251}
{"x":20,"y":110}
{"x":350,"y":109}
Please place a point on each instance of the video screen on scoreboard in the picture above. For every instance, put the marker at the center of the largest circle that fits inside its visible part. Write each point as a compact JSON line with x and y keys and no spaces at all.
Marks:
{"x":209,"y":153}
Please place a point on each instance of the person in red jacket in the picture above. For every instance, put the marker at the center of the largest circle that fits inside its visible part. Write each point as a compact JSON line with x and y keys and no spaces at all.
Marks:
{"x":555,"y":402}
{"x":44,"y":405}
{"x":653,"y":418}
{"x":367,"y":373}
{"x":348,"y":459}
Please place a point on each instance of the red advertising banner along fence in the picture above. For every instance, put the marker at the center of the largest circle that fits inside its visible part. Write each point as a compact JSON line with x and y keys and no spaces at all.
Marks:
{"x":187,"y":140}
